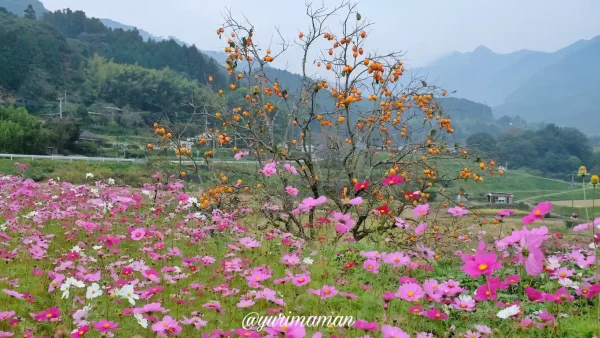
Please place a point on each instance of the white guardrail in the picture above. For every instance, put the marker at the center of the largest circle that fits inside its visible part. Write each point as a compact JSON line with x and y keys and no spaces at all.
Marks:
{"x":70,"y":158}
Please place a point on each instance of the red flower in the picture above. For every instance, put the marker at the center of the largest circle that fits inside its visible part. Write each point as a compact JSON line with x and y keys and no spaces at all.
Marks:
{"x":384,"y":210}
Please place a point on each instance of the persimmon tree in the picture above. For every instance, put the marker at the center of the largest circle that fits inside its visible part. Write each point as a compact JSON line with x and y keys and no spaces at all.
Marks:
{"x":358,"y":136}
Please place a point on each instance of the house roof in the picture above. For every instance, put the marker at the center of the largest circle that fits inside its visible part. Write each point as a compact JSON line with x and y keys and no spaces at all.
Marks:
{"x":86,"y":134}
{"x":499,"y":193}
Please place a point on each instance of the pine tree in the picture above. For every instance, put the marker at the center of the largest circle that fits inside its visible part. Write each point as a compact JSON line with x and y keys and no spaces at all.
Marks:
{"x":30,"y":13}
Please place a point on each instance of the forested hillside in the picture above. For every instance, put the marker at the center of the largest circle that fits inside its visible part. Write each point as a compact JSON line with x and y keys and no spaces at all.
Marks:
{"x":41,"y":59}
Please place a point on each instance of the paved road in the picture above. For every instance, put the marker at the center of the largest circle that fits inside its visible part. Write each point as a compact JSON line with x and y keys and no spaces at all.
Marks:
{"x":73,"y":158}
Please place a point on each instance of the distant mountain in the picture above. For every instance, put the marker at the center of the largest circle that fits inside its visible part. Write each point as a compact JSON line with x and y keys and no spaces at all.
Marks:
{"x":18,"y":6}
{"x":144,"y":34}
{"x":538,"y":86}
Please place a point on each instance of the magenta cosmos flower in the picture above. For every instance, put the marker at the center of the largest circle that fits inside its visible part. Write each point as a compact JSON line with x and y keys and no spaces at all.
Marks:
{"x":410,"y":292}
{"x":435,"y":314}
{"x":538,"y":212}
{"x":52,"y":314}
{"x":482,"y":263}
{"x":392,"y":180}
{"x":361,"y":186}
{"x":105,"y":326}
{"x":365,"y":325}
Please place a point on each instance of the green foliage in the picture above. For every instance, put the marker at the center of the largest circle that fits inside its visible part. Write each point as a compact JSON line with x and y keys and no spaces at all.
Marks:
{"x":553,"y":150}
{"x":33,"y":58}
{"x":128,"y":47}
{"x":30,"y":13}
{"x":20,"y":132}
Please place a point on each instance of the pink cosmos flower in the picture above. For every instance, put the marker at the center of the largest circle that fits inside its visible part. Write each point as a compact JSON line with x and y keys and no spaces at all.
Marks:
{"x":6,"y":315}
{"x":397,"y":259}
{"x":371,"y":265}
{"x":167,"y":325}
{"x":301,"y":280}
{"x":450,"y":288}
{"x":138,"y":234}
{"x":482,"y":263}
{"x":106,"y":326}
{"x":538,"y":213}
{"x":464,"y":302}
{"x":392,"y":180}
{"x":355,"y":201}
{"x":291,"y":191}
{"x":420,"y":229}
{"x":346,"y":219}
{"x":196,"y":321}
{"x":341,"y":228}
{"x":393,"y":332}
{"x":309,"y":203}
{"x":410,"y":292}
{"x":269,"y":169}
{"x":291,"y":169}
{"x":421,"y":210}
{"x":241,"y":154}
{"x":562,"y":273}
{"x":400,"y":223}
{"x":290,"y":259}
{"x":458,"y":211}
{"x":325,"y":292}
{"x":505,"y":213}
{"x":528,"y":243}
{"x":295,"y":330}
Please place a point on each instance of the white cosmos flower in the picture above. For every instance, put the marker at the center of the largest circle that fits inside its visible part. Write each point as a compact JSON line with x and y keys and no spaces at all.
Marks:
{"x":66,"y":286}
{"x":111,"y":181}
{"x":307,"y":261}
{"x":127,"y":292}
{"x":553,"y":262}
{"x":509,"y":311}
{"x":141,"y":320}
{"x":89,"y":175}
{"x":93,"y":291}
{"x":566,"y":282}
{"x":97,"y":247}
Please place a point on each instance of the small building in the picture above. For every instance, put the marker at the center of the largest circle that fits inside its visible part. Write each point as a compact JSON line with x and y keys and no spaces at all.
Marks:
{"x":500,"y":198}
{"x":462,"y":197}
{"x":87,"y":135}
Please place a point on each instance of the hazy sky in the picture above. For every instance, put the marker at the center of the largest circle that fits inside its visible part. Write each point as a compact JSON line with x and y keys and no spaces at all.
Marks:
{"x":424,"y":29}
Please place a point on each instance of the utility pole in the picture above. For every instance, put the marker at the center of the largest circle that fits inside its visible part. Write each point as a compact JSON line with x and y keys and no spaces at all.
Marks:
{"x":66,"y":108}
{"x":60,"y":107}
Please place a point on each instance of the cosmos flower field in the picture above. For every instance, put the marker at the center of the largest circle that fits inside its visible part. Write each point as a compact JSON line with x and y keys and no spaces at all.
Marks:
{"x":98,"y":260}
